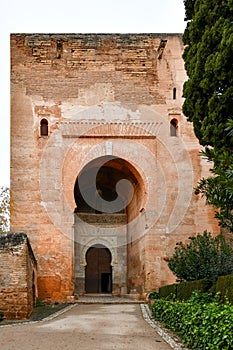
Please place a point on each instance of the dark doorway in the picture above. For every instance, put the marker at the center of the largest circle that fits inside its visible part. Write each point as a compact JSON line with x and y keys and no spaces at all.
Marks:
{"x":98,"y":277}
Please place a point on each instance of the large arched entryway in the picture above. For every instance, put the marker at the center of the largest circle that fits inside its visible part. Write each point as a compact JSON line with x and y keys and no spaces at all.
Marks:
{"x":96,"y":189}
{"x":98,"y":274}
{"x":109,"y":194}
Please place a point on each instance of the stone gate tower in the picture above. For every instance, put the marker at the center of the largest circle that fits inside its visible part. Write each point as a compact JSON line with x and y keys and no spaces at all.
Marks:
{"x":103,"y":162}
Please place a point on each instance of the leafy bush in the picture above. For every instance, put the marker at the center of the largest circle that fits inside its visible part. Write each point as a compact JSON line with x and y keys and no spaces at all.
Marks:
{"x":1,"y":316}
{"x":202,"y":322}
{"x":205,"y":257}
{"x":198,"y":297}
{"x":153,"y":295}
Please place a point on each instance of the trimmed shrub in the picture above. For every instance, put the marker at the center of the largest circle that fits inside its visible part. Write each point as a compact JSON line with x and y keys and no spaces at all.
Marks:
{"x":201,"y":323}
{"x":168,"y":292}
{"x":185,"y":289}
{"x":224,"y":287}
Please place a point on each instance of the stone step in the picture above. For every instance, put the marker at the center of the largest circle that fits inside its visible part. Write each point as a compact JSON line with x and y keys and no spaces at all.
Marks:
{"x":105,"y":299}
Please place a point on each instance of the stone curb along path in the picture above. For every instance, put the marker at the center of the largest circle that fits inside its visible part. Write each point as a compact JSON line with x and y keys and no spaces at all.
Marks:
{"x":48,"y":318}
{"x":172,"y":340}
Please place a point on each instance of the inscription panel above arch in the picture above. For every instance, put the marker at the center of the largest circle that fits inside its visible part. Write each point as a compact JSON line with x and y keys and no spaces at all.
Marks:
{"x":114,"y":129}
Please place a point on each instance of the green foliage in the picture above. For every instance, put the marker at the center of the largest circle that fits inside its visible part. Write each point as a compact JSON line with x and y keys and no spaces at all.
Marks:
{"x":208,"y":61}
{"x":5,"y":209}
{"x":229,"y":127}
{"x":189,"y":8}
{"x":218,"y":189}
{"x":186,"y":289}
{"x":205,"y":257}
{"x":169,"y":292}
{"x":199,"y":297}
{"x":153,"y":295}
{"x":1,"y":316}
{"x":202,"y":323}
{"x":208,"y":93}
{"x":39,"y":303}
{"x":224,"y":287}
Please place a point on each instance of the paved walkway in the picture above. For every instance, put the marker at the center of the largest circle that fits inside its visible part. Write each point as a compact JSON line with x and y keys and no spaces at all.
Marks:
{"x":86,"y":327}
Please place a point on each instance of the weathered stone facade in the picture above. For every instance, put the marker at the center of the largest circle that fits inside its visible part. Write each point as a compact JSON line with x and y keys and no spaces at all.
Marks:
{"x":17,"y":276}
{"x":89,"y":112}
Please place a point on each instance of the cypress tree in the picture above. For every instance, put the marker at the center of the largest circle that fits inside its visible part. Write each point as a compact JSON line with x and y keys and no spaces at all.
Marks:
{"x":208,"y":93}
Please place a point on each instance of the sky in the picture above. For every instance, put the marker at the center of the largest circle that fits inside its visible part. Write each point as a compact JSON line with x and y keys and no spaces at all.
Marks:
{"x":70,"y":16}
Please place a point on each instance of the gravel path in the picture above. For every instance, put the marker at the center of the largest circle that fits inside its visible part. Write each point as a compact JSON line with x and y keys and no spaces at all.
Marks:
{"x":86,"y":327}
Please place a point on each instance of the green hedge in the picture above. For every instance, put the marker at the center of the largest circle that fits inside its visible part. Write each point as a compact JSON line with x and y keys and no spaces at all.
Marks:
{"x":224,"y":286}
{"x":168,"y":292}
{"x":184,"y":290}
{"x":1,"y":316}
{"x":202,"y":325}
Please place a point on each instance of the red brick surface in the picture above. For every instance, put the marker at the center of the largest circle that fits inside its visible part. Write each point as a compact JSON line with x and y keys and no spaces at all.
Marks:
{"x":102,"y":94}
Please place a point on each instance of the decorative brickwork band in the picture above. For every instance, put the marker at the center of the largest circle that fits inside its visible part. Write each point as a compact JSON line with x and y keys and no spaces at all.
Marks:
{"x":73,"y":129}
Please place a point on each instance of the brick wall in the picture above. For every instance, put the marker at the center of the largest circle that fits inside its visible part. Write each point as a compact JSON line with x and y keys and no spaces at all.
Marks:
{"x":17,"y":276}
{"x":101,"y":95}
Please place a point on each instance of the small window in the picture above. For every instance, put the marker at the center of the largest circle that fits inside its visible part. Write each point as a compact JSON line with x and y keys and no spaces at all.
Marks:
{"x":59,"y":49}
{"x":44,"y":129}
{"x":173,"y":127}
{"x":174,"y":93}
